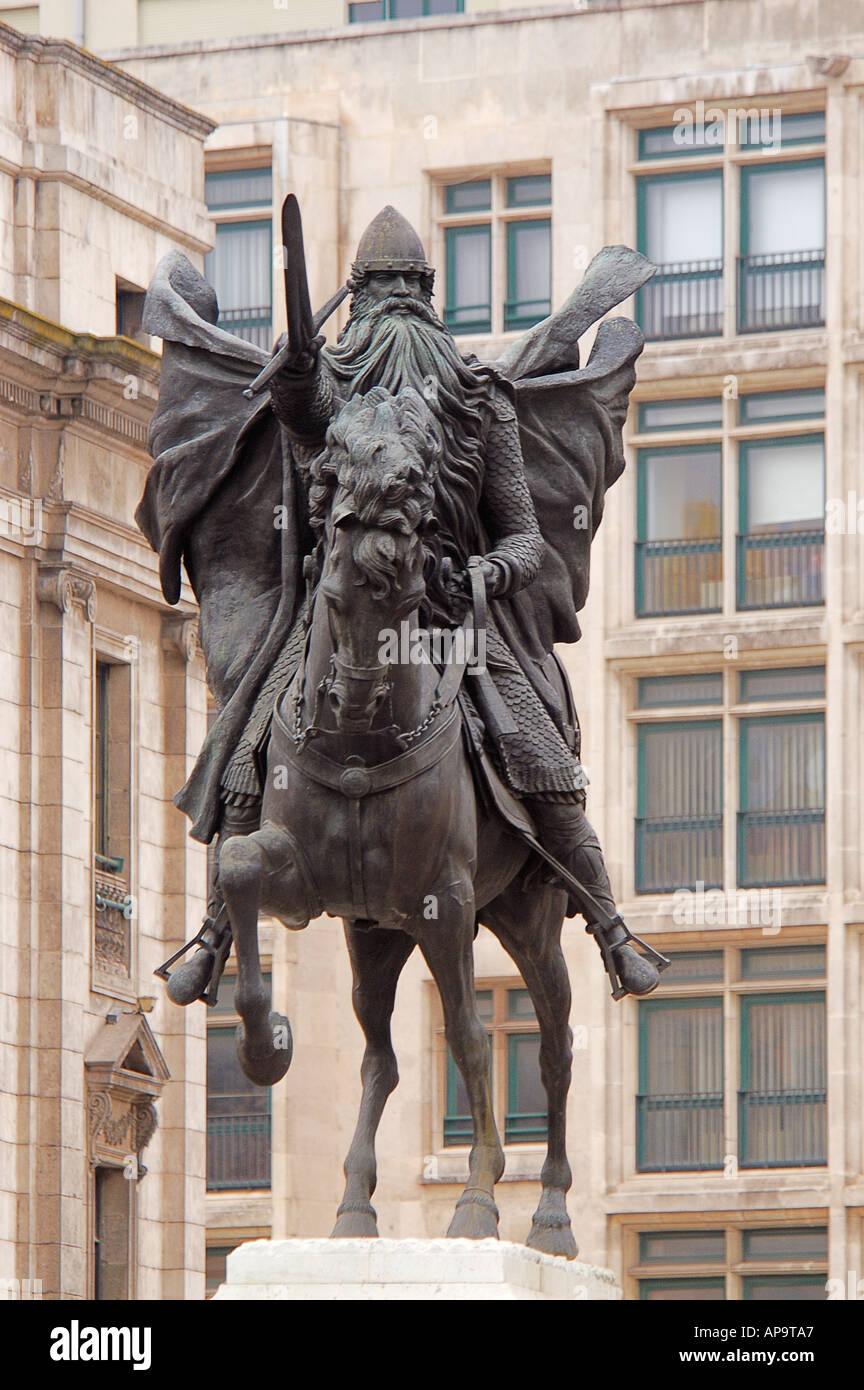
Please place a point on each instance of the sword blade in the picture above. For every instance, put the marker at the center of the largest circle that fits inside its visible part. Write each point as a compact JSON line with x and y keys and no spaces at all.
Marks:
{"x":301,"y":326}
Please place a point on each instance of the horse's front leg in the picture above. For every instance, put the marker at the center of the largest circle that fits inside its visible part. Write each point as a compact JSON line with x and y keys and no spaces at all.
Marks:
{"x":264,"y":1044}
{"x":377,"y":957}
{"x":447,"y":945}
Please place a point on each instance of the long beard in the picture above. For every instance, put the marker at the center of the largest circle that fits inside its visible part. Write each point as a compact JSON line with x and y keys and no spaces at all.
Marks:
{"x":395,"y":343}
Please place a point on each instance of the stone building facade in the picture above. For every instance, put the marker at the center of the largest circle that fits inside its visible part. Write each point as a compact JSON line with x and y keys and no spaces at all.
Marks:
{"x":103,"y":697}
{"x":715,"y":1130}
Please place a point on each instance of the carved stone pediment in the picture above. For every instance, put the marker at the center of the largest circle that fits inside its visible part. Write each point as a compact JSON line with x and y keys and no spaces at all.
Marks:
{"x":125,"y":1075}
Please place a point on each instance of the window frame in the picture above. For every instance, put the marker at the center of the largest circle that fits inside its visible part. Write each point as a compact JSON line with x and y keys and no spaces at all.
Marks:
{"x":735,"y":1268}
{"x":225,"y":1021}
{"x":240,"y":217}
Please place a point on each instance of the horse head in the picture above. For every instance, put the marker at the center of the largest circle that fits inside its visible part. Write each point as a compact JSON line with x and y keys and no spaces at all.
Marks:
{"x":371,"y":500}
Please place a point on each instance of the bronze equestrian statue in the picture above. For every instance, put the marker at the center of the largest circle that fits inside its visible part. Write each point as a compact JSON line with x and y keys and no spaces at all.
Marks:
{"x":385,"y":539}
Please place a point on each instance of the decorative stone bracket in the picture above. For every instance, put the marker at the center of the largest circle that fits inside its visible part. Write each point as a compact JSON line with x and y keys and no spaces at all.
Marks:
{"x":63,"y":586}
{"x":180,"y":635}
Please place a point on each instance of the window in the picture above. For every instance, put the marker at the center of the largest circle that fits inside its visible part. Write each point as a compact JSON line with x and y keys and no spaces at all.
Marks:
{"x":788,"y":1263}
{"x":112,"y":1233}
{"x":129,"y":309}
{"x":679,"y":560}
{"x":781,"y":766}
{"x":680,"y":229}
{"x":514,"y":1070}
{"x":112,"y":816}
{"x":782,"y":522}
{"x":780,"y":535}
{"x":215,"y":1267}
{"x":238,"y":1111}
{"x":687,"y":1109}
{"x":781,"y":823}
{"x":402,"y":9}
{"x":779,"y":252}
{"x":240,"y":265}
{"x":782,"y":263}
{"x":498,"y":253}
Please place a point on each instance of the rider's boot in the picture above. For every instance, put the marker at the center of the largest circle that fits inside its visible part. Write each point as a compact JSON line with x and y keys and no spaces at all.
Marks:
{"x":565,"y":831}
{"x":200,"y":975}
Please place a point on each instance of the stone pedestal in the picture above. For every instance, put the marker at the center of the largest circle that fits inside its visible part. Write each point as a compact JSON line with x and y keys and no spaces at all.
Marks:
{"x":371,"y":1270}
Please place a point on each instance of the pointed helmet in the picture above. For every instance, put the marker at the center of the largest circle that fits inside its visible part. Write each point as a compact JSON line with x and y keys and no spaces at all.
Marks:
{"x":390,"y":243}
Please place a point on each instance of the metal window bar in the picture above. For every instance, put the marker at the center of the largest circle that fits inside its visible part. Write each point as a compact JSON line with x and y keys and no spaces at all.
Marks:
{"x":683,"y":300}
{"x":780,"y":569}
{"x":781,"y":847}
{"x":679,"y":576}
{"x":782,"y":289}
{"x":524,"y":313}
{"x":524,"y":1127}
{"x":679,"y":1132}
{"x":779,"y":1129}
{"x":674,"y":852}
{"x":238,"y":1151}
{"x":254,"y":324}
{"x":469,"y":318}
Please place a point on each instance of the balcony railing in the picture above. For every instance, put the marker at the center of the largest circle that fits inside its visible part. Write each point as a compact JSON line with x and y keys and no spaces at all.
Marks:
{"x":674,"y":1132}
{"x":780,"y":1129}
{"x":674,"y":852}
{"x":674,"y":577}
{"x":255,"y":325}
{"x":780,"y":569}
{"x":781,"y":847}
{"x":683,"y":300}
{"x":238,"y":1151}
{"x":524,"y":1127}
{"x":785,"y":289}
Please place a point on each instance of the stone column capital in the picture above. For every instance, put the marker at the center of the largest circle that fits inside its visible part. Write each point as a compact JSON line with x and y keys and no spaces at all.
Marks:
{"x":64,"y":586}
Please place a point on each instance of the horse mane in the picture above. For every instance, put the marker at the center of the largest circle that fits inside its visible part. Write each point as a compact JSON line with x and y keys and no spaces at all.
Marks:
{"x":391,"y":492}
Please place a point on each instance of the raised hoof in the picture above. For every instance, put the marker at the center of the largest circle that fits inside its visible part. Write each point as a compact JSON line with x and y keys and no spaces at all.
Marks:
{"x":637,"y":975}
{"x":553,"y":1240}
{"x":189,"y":981}
{"x":265,"y":1066}
{"x":474,"y":1219}
{"x":355,"y":1224}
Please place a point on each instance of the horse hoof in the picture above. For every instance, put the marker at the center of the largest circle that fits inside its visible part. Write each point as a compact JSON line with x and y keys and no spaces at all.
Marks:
{"x":553,"y":1240}
{"x":355,"y":1224}
{"x":189,"y":981}
{"x":265,"y":1066}
{"x":474,"y":1219}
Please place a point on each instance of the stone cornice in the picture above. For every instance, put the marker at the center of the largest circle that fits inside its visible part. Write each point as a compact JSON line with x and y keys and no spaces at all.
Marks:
{"x":60,"y":52}
{"x":37,"y":331}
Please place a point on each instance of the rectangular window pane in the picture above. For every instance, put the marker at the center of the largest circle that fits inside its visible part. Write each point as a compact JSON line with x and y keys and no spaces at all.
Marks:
{"x":679,"y":824}
{"x":782,"y":962}
{"x":681,"y":1247}
{"x":782,"y":523}
{"x":681,"y":415}
{"x":789,"y":683}
{"x":782,"y":1109}
{"x":682,"y":1290}
{"x":681,"y":231}
{"x":784,"y":1288}
{"x":484,"y":1004}
{"x":238,"y":188}
{"x":519,"y":1004}
{"x":239,"y":269}
{"x":406,"y":9}
{"x":214,"y":1267}
{"x":680,"y":1101}
{"x":238,"y":1119}
{"x":458,"y":1128}
{"x":664,"y":142}
{"x":656,"y":692}
{"x":475,"y":196}
{"x":526,"y":1099}
{"x":529,"y":190}
{"x":695,"y":965}
{"x":782,"y":405}
{"x":786,"y":1243}
{"x":781,"y":824}
{"x":529,"y":273}
{"x":444,"y":6}
{"x":366,"y":10}
{"x":782,"y":273}
{"x":791,"y":128}
{"x":469,"y":279}
{"x":679,"y":548}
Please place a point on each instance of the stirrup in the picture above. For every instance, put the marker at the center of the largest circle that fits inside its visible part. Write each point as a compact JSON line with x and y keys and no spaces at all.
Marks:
{"x":599,"y":929}
{"x":220,"y":927}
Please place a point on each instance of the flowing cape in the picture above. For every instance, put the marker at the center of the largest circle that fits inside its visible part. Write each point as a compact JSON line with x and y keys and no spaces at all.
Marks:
{"x":206,"y":437}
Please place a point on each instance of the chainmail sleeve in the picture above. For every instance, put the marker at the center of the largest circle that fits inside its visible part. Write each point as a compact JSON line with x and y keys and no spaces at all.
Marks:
{"x":507,"y":510}
{"x":304,"y":402}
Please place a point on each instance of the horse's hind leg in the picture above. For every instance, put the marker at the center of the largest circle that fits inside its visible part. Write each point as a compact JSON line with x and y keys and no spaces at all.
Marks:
{"x":264,"y":1043}
{"x":533,"y":939}
{"x":447,"y":946}
{"x":377,"y":957}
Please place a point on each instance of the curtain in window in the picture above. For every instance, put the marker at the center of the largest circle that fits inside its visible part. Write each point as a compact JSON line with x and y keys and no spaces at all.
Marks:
{"x":529,"y":274}
{"x":469,"y":264}
{"x":785,"y":765}
{"x":684,"y":220}
{"x":238,"y":268}
{"x":784,"y":1077}
{"x":786,"y":485}
{"x":785,"y":209}
{"x":680,"y":1105}
{"x":679,"y":827}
